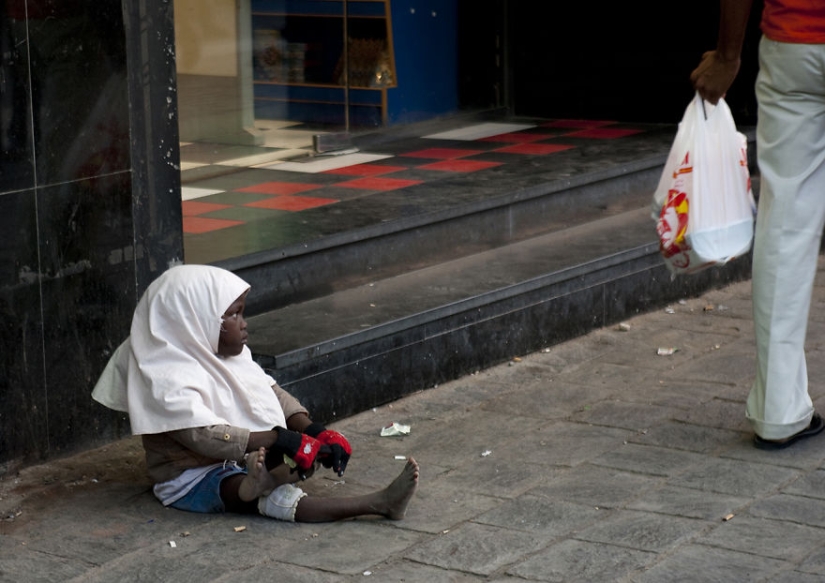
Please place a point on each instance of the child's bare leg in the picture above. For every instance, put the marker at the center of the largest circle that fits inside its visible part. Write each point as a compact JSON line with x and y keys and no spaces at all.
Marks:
{"x":391,"y":502}
{"x":240,"y":492}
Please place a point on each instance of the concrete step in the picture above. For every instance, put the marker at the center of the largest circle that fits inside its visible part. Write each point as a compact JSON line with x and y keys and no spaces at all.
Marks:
{"x":372,"y":343}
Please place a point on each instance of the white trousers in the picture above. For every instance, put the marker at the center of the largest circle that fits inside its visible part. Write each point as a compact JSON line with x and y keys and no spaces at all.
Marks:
{"x":790,"y":91}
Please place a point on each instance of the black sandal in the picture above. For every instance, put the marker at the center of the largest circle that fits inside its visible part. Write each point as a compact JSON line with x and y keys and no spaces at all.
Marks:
{"x":816,"y":426}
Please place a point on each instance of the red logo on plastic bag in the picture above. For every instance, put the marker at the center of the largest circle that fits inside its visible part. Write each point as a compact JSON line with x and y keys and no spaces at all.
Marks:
{"x":673,"y":219}
{"x":672,"y":224}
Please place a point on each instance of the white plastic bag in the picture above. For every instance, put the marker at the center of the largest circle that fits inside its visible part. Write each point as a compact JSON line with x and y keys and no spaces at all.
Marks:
{"x":703,"y":207}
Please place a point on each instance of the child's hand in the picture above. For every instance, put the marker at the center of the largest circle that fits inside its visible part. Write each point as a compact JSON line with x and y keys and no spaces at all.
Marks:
{"x":338,"y":444}
{"x":341,"y":450}
{"x":302,"y":448}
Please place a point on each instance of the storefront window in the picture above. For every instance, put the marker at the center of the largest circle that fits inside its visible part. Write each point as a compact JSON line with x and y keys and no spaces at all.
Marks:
{"x":267,"y":84}
{"x":259,"y":78}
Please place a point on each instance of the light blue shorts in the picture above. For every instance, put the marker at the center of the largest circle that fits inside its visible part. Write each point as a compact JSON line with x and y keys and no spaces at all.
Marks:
{"x":205,"y":496}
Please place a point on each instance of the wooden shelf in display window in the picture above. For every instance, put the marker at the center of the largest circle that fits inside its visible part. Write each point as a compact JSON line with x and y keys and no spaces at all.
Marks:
{"x":298,"y":48}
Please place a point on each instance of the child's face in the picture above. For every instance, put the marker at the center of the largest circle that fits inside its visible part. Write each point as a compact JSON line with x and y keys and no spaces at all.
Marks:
{"x":233,"y":329}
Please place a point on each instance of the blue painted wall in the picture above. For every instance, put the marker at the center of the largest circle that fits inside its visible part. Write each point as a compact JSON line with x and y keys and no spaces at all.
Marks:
{"x":426,"y":60}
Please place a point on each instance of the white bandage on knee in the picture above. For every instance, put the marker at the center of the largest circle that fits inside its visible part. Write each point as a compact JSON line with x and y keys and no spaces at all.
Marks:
{"x":281,"y":503}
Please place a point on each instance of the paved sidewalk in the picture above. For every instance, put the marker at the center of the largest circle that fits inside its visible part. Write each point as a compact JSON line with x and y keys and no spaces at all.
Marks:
{"x":594,"y":460}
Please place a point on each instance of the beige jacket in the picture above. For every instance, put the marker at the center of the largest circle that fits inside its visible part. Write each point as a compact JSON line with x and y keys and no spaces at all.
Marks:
{"x":169,"y":454}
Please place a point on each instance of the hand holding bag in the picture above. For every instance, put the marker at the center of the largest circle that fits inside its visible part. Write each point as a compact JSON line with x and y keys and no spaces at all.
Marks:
{"x":703,"y":206}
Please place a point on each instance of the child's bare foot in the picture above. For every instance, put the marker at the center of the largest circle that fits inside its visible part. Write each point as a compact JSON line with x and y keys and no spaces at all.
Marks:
{"x":399,"y":493}
{"x":257,"y":482}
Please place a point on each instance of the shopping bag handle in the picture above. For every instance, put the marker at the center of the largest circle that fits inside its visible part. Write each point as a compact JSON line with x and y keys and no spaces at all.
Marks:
{"x":701,"y":100}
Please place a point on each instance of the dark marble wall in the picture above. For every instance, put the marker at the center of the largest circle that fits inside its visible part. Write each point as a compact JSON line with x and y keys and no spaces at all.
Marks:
{"x":89,"y":206}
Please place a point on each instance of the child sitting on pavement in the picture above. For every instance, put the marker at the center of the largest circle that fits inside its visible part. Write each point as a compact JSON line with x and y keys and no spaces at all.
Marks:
{"x":203,"y":406}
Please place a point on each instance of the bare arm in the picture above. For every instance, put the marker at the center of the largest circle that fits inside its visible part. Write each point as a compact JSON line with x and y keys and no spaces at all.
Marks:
{"x":257,"y":439}
{"x":297,"y":420}
{"x":718,"y":68}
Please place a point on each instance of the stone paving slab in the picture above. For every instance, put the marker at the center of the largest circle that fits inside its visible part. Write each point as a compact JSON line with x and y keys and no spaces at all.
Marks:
{"x":816,"y":371}
{"x":689,"y":503}
{"x":721,"y":413}
{"x":650,"y":460}
{"x":689,"y":437}
{"x":461,"y":439}
{"x":731,"y":320}
{"x":593,"y":460}
{"x":574,"y":561}
{"x":642,"y":346}
{"x":803,"y":455}
{"x":280,"y":572}
{"x":674,"y":394}
{"x":569,"y":444}
{"x":795,"y":577}
{"x":159,"y":563}
{"x":550,"y":518}
{"x":22,"y":564}
{"x":699,"y":564}
{"x":637,"y":417}
{"x":500,"y":475}
{"x":530,"y":398}
{"x":477,"y":548}
{"x":735,"y":477}
{"x":776,"y":539}
{"x":814,"y":564}
{"x":447,"y":505}
{"x":405,"y":570}
{"x":643,"y":531}
{"x":348,"y":548}
{"x":733,"y":367}
{"x":811,"y":485}
{"x":800,"y":509}
{"x":597,"y":486}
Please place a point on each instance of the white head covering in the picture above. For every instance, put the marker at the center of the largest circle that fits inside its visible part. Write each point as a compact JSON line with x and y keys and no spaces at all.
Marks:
{"x":168,"y":375}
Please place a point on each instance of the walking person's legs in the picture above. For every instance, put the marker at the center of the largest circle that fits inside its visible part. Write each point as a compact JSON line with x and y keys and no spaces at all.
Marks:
{"x":791,"y":153}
